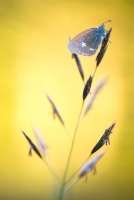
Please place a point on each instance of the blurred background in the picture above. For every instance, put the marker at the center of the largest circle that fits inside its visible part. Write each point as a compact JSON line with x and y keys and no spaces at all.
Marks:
{"x":34,"y":60}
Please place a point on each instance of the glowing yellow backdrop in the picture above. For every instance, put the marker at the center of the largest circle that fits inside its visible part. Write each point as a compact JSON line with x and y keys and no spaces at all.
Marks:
{"x":34,"y":60}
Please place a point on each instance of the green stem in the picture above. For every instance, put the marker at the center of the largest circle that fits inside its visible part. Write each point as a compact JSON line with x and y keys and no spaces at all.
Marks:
{"x":71,"y":185}
{"x":67,"y":133}
{"x":60,"y":197}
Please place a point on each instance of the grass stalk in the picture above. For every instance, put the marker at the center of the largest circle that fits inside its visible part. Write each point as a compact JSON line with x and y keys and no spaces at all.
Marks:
{"x":68,"y":133}
{"x":94,"y":71}
{"x":61,"y":192}
{"x":71,"y":185}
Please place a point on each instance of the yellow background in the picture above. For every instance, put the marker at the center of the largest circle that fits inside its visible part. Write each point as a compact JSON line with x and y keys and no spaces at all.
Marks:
{"x":34,"y":60}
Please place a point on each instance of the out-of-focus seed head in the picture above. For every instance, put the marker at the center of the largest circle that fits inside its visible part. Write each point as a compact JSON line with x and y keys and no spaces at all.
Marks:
{"x":40,"y":140}
{"x":91,"y":164}
{"x":96,"y":90}
{"x":55,"y":110}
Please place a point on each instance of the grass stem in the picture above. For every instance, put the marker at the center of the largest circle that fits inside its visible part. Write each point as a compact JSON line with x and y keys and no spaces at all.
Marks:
{"x":61,"y":192}
{"x":78,"y":170}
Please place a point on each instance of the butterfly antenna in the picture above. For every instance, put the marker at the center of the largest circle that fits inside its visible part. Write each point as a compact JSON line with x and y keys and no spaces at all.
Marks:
{"x":107,"y":21}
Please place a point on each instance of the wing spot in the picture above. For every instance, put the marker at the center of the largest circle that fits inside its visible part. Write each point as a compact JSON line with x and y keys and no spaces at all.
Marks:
{"x":83,"y":44}
{"x":91,"y":49}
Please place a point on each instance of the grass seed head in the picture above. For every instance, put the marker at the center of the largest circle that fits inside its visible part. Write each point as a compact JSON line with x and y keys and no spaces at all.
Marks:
{"x":101,"y":55}
{"x":41,"y":142}
{"x":106,"y":38}
{"x":55,"y":110}
{"x":32,"y":146}
{"x":87,"y":87}
{"x":90,"y":165}
{"x":78,"y":63}
{"x":96,"y":90}
{"x":104,"y":139}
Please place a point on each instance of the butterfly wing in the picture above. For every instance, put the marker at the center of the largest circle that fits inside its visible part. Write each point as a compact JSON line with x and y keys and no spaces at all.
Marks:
{"x":86,"y":43}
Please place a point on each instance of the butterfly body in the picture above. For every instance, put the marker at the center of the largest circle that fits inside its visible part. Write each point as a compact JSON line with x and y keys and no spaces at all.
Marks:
{"x":87,"y":42}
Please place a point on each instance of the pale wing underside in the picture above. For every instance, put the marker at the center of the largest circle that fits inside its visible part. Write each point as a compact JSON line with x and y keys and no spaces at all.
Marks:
{"x":86,"y":43}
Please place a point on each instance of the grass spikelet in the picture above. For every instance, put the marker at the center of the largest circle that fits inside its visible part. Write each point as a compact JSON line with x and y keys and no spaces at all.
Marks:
{"x":96,"y":90}
{"x":77,"y":60}
{"x":106,"y":38}
{"x":90,"y":165}
{"x":56,"y":112}
{"x":32,"y":146}
{"x":104,"y":139}
{"x":78,"y":63}
{"x":104,"y":46}
{"x":101,"y":55}
{"x":87,"y":87}
{"x":41,"y":142}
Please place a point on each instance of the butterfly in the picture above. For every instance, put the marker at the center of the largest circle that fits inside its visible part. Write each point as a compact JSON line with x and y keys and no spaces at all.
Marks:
{"x":87,"y":42}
